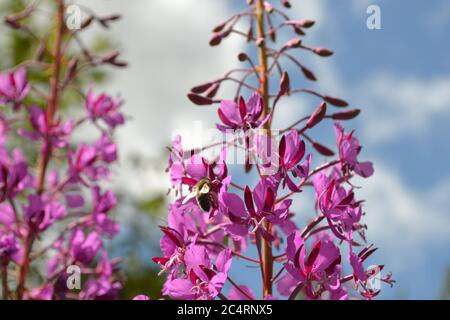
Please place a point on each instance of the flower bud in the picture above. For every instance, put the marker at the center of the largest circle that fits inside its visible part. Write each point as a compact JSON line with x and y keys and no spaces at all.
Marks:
{"x":308,"y":73}
{"x":335,"y":101}
{"x":317,"y":115}
{"x":346,"y":115}
{"x":323,"y":150}
{"x":286,"y":4}
{"x":72,"y":69}
{"x":285,"y":85}
{"x":242,"y":56}
{"x":216,"y":39}
{"x":86,"y":23}
{"x":323,"y":52}
{"x":298,"y":31}
{"x":219,"y":27}
{"x":304,"y":23}
{"x":202,"y":87}
{"x":293,"y":43}
{"x":211,"y":92}
{"x":199,"y":100}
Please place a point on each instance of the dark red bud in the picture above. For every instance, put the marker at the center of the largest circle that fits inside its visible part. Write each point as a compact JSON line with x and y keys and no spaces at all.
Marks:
{"x":308,"y":73}
{"x":346,"y":115}
{"x":112,"y":17}
{"x":293,"y":43}
{"x":110,"y":56}
{"x":286,"y":4}
{"x":317,"y":115}
{"x":199,"y":100}
{"x":285,"y":85}
{"x":298,"y":31}
{"x":202,"y":87}
{"x":335,"y":101}
{"x":87,"y":22}
{"x":242,"y":56}
{"x":306,"y":23}
{"x":12,"y":23}
{"x":216,"y":39}
{"x":323,"y":52}
{"x":273,"y":35}
{"x":250,"y":33}
{"x":323,"y":150}
{"x":219,"y":27}
{"x":119,"y":64}
{"x":72,"y":68}
{"x":211,"y":93}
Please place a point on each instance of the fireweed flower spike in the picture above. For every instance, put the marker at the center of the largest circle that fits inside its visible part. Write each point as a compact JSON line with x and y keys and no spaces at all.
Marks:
{"x":14,"y":87}
{"x":61,"y":192}
{"x":214,"y":219}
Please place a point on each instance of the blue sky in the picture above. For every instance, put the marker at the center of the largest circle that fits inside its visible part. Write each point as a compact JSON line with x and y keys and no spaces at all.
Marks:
{"x":399,"y":76}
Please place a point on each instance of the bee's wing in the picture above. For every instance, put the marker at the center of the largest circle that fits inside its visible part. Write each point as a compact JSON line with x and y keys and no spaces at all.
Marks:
{"x":190,"y":196}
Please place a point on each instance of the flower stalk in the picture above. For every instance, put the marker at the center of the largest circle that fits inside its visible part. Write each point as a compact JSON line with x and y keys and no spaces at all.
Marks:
{"x":267,"y":257}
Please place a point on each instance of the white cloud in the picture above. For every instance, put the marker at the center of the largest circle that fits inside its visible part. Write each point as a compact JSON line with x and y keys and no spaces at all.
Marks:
{"x":404,"y":222}
{"x":396,"y":105}
{"x":166,"y":43}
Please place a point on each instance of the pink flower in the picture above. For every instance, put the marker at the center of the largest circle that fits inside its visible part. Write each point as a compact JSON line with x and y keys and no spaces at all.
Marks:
{"x":106,"y":148}
{"x":9,"y":249}
{"x":202,"y":280}
{"x":41,"y":213}
{"x":13,"y":176}
{"x":14,"y":87}
{"x":317,"y":271}
{"x":342,"y":211}
{"x":292,"y":150}
{"x":173,"y":247}
{"x":237,"y":294}
{"x":259,"y":206}
{"x":87,"y":161}
{"x":349,"y":148}
{"x":245,"y":116}
{"x":55,"y":133}
{"x":104,"y":107}
{"x":84,"y":249}
{"x":103,"y":203}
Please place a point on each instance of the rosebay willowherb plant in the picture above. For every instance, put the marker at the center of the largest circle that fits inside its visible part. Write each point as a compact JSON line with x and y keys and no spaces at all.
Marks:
{"x":214,"y":220}
{"x":54,"y":213}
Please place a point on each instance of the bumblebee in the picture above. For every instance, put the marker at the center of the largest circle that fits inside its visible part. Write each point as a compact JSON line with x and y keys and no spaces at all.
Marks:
{"x":204,"y":195}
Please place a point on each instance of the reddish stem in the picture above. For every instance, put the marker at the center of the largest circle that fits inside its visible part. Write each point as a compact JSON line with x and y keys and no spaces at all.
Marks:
{"x":267,"y":258}
{"x":46,"y":149}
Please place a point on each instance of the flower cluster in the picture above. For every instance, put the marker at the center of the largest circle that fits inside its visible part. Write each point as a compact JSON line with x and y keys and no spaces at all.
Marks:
{"x":72,"y":197}
{"x":214,"y":218}
{"x":55,"y":212}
